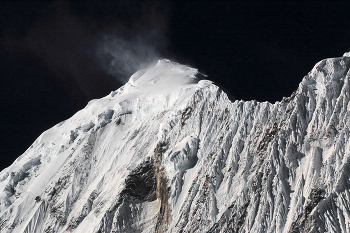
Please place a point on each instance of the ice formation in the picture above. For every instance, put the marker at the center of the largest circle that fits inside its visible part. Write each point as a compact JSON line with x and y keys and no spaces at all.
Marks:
{"x":168,"y":152}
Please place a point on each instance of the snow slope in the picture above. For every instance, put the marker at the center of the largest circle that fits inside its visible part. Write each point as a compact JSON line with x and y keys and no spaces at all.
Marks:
{"x":168,"y":152}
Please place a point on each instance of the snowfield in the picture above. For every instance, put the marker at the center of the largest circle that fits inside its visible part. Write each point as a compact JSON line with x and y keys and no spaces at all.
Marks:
{"x":168,"y":152}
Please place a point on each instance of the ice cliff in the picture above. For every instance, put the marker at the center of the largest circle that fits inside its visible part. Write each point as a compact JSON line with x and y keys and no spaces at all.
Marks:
{"x":168,"y":152}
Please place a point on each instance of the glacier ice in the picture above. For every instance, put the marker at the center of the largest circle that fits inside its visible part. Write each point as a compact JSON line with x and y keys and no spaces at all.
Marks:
{"x":168,"y":152}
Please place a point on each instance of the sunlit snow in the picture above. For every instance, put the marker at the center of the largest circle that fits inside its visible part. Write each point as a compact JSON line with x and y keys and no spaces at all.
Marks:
{"x":168,"y":152}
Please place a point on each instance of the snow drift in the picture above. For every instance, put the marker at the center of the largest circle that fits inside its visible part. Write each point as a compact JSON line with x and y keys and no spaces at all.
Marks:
{"x":168,"y":152}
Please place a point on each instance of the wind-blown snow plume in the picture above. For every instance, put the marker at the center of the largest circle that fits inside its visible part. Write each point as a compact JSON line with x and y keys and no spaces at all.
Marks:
{"x":122,"y":57}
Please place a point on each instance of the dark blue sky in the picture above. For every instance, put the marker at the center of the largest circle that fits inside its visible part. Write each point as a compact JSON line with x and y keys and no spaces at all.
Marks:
{"x":57,"y":55}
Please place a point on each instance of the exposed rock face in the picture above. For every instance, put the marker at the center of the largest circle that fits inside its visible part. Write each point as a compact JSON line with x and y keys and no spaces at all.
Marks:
{"x":169,"y":153}
{"x":162,"y":191}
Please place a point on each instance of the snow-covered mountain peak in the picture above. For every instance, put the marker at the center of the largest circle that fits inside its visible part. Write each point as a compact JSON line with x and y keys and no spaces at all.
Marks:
{"x":169,"y":153}
{"x":327,"y":77}
{"x":163,"y":78}
{"x":347,"y":54}
{"x":162,"y":87}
